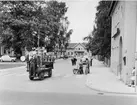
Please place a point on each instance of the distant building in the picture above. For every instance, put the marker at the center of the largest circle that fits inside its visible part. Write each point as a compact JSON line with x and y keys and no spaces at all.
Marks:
{"x":78,"y":49}
{"x":123,"y":38}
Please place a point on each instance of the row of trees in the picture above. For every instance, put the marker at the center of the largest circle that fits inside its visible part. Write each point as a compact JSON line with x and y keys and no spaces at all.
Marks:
{"x":28,"y":24}
{"x":99,"y":40}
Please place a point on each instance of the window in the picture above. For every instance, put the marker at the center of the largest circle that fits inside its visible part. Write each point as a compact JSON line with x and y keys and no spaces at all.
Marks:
{"x":68,"y":53}
{"x":71,"y":53}
{"x":79,"y":48}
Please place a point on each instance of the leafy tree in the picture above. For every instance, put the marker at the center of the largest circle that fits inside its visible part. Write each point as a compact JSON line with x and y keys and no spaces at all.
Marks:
{"x":64,"y":34}
{"x":99,"y":41}
{"x":24,"y":23}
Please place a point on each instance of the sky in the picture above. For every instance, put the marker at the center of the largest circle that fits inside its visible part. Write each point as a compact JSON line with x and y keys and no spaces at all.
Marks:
{"x":81,"y":15}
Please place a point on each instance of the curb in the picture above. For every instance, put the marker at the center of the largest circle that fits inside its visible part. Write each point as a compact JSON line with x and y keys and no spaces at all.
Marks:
{"x":105,"y":91}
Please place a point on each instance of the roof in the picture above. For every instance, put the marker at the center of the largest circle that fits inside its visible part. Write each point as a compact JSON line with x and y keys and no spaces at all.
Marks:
{"x":72,"y":45}
{"x":112,"y":7}
{"x":84,"y":44}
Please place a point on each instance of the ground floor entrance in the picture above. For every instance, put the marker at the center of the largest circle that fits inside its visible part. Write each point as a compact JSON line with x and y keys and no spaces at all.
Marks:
{"x":79,"y":53}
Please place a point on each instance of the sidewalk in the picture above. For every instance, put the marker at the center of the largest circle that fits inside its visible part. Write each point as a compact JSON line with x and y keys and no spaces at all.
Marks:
{"x":102,"y":79}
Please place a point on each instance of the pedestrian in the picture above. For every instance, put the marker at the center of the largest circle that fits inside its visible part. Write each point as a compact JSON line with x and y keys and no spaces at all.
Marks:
{"x":91,"y":59}
{"x":81,"y":66}
{"x":27,"y":61}
{"x":87,"y":70}
{"x":72,"y":61}
{"x":133,"y":77}
{"x":75,"y":60}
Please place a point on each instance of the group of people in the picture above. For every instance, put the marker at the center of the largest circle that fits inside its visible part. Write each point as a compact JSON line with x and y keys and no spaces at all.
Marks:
{"x":82,"y":65}
{"x":74,"y":60}
{"x":36,"y":58}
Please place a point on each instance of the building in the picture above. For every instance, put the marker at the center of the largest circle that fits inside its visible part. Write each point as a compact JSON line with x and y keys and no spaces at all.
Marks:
{"x":123,"y":38}
{"x":78,"y":49}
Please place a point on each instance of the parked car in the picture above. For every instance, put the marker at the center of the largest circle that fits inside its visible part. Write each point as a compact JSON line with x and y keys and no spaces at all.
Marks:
{"x":7,"y":58}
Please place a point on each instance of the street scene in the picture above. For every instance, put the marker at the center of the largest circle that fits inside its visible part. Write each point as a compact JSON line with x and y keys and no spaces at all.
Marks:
{"x":63,"y":88}
{"x":60,"y":52}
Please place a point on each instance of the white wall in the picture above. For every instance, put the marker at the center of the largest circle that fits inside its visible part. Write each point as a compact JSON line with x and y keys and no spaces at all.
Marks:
{"x":130,"y":33}
{"x":124,"y":18}
{"x":117,"y":22}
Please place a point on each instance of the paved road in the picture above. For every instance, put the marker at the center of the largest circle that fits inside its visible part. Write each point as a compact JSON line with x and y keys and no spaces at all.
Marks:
{"x":63,"y":88}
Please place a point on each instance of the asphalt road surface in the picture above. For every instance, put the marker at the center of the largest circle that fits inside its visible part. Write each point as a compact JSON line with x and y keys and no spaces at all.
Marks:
{"x":63,"y":88}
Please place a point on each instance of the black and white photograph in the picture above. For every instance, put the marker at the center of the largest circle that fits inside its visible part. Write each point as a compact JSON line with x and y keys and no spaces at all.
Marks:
{"x":68,"y":52}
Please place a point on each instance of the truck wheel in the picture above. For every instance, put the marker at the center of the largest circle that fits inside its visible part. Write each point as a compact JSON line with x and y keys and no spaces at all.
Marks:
{"x":30,"y":77}
{"x":41,"y":75}
{"x":12,"y":60}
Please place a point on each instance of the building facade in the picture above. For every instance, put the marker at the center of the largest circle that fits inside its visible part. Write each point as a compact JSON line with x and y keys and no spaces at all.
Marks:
{"x":76,"y":49}
{"x":123,"y":38}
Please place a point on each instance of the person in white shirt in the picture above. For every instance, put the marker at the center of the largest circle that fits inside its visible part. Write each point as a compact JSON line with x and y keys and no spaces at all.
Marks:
{"x":133,"y":77}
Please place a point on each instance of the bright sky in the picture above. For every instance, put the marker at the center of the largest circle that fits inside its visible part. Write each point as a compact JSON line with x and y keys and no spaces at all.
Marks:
{"x":81,"y":14}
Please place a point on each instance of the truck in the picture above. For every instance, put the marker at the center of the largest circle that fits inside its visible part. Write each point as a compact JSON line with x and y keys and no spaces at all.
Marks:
{"x":39,"y":65}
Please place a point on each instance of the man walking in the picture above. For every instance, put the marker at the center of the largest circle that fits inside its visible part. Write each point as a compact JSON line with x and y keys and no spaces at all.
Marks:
{"x":75,"y":60}
{"x":91,"y":59}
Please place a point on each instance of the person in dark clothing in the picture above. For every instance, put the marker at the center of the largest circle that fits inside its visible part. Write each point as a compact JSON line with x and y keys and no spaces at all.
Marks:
{"x":33,"y":65}
{"x":81,"y":67}
{"x":28,"y":62}
{"x":91,"y":61}
{"x":72,"y":61}
{"x":87,"y":66}
{"x":75,"y":60}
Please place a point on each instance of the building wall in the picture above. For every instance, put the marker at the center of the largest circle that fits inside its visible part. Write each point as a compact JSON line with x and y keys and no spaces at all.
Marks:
{"x":117,"y":22}
{"x":125,"y":20}
{"x":70,"y":52}
{"x":78,"y":48}
{"x":130,"y":34}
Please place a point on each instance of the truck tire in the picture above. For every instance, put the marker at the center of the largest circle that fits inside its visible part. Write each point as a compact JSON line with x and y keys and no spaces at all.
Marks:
{"x":30,"y":77}
{"x":41,"y":75}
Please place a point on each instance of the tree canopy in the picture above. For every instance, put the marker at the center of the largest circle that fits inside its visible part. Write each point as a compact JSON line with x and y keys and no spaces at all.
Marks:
{"x":99,"y":40}
{"x":24,"y":22}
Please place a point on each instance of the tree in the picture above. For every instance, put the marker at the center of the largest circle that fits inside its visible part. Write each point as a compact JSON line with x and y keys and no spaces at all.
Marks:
{"x":64,"y":34}
{"x":24,"y":23}
{"x":100,"y":42}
